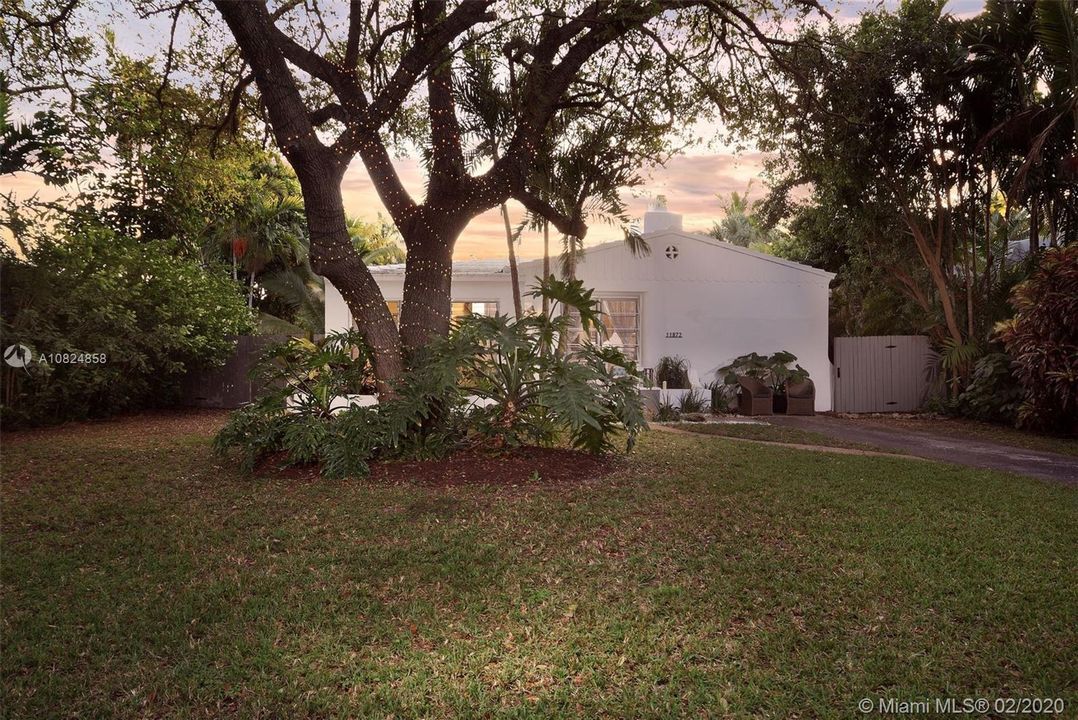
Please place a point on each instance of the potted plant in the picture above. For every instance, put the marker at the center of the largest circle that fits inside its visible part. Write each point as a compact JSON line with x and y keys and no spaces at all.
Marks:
{"x":772,"y":370}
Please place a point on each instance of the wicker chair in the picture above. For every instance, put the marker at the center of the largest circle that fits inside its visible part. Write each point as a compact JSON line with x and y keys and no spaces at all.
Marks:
{"x":755,"y":398}
{"x":801,"y":398}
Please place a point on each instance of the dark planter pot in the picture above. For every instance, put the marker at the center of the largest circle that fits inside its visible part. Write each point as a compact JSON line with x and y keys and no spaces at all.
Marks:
{"x":779,"y":406}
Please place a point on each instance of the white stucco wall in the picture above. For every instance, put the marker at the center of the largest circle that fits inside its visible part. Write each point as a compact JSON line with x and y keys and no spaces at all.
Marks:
{"x":724,"y":301}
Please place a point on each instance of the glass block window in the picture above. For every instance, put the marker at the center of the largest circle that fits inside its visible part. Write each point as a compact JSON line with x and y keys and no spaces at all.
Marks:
{"x":621,"y":321}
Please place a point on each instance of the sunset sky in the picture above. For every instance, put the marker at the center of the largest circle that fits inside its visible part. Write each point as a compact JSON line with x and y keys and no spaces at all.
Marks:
{"x":690,"y":182}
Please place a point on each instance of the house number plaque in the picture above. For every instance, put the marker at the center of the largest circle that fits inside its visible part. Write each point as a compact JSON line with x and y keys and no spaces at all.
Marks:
{"x":673,"y":334}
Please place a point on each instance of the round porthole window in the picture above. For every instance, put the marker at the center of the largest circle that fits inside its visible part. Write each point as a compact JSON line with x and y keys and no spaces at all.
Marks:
{"x":671,"y":252}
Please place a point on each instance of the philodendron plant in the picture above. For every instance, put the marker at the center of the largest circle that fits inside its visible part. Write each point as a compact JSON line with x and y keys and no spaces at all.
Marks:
{"x":773,"y":370}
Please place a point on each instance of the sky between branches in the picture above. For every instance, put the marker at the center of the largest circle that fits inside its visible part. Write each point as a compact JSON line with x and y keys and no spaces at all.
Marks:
{"x":690,"y":182}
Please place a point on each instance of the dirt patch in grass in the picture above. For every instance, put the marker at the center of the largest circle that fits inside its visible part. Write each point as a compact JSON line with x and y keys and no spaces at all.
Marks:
{"x":525,"y":466}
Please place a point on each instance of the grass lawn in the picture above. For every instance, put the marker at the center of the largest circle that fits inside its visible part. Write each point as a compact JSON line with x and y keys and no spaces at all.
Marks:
{"x":963,"y":428}
{"x":141,"y":578}
{"x":773,"y":433}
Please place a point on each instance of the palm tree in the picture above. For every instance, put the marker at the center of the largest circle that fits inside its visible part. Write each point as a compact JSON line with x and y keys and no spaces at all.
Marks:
{"x":487,"y":111}
{"x":582,"y":179}
{"x":267,"y":229}
{"x":376,"y":242}
{"x":1024,"y":76}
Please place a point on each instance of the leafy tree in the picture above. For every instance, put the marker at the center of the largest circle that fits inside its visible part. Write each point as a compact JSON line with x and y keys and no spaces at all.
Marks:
{"x":365,"y":85}
{"x":906,"y":126}
{"x":133,"y":316}
{"x":1042,"y":339}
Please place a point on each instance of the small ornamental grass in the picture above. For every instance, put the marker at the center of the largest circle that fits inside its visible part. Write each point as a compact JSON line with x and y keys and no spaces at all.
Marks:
{"x":492,"y":382}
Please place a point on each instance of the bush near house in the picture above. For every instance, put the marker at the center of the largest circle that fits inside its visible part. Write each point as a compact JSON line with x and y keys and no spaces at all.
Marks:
{"x":112,"y":324}
{"x":672,"y":370}
{"x":494,"y":382}
{"x":1042,"y":338}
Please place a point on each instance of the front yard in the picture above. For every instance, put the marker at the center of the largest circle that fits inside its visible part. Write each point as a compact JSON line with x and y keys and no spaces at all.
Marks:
{"x":142,"y":578}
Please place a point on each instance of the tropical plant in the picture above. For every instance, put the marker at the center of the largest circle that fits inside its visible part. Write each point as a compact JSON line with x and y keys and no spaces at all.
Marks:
{"x":993,"y":393}
{"x":310,"y":377}
{"x":672,"y":370}
{"x":742,"y":225}
{"x":534,"y":391}
{"x":493,"y":381}
{"x":693,"y":402}
{"x":773,"y":370}
{"x":667,"y":412}
{"x":722,"y":395}
{"x":1042,"y":339}
{"x":378,"y":242}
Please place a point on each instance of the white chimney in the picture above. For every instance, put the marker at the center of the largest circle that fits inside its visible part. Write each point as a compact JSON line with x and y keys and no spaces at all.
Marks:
{"x":658,"y":218}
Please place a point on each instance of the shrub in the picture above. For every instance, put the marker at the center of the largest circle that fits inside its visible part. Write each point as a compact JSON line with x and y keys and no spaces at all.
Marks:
{"x":672,"y":370}
{"x":667,"y":412}
{"x":993,"y":393}
{"x":693,"y":402}
{"x":527,"y":392}
{"x":1042,"y":338}
{"x":140,"y":316}
{"x":309,"y":375}
{"x":722,"y":395}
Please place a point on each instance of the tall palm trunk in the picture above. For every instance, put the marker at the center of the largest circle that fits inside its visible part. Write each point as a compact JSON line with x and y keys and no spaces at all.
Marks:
{"x":514,"y":274}
{"x":546,"y":263}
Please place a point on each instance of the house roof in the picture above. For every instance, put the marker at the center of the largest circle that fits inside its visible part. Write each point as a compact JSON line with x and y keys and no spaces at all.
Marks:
{"x":661,"y":235}
{"x":460,"y":267}
{"x":499,"y":267}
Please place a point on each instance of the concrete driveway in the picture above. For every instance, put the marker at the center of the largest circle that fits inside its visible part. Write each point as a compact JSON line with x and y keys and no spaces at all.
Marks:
{"x":962,"y":451}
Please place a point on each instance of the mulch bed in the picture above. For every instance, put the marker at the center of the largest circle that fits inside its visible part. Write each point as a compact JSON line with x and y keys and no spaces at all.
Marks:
{"x":525,"y":466}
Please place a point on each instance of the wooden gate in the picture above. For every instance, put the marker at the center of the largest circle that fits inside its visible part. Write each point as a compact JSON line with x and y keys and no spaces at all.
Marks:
{"x":882,"y":373}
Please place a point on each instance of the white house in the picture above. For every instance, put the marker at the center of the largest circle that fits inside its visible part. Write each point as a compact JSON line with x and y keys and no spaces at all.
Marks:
{"x":693,"y":296}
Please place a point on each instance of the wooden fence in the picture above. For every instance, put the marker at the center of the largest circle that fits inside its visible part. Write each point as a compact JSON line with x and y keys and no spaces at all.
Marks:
{"x":882,"y":373}
{"x":230,"y":385}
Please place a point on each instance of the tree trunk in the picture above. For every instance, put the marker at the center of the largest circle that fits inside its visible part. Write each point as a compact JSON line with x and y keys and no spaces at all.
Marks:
{"x":428,"y":279}
{"x":333,"y":256}
{"x":546,"y":263}
{"x":1034,"y":226}
{"x":514,"y":274}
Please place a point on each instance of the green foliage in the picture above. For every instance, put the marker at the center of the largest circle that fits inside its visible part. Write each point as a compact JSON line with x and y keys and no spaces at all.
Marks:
{"x":667,"y":412}
{"x":492,"y":381}
{"x":150,"y":315}
{"x":1042,"y":338}
{"x":693,"y":402}
{"x":39,"y":144}
{"x":744,"y":226}
{"x":861,"y":117}
{"x":993,"y":393}
{"x":672,"y":370}
{"x":773,"y":370}
{"x":377,"y":243}
{"x":722,"y":396}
